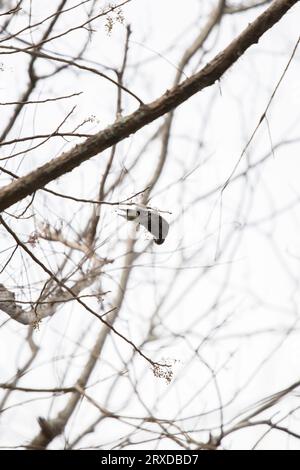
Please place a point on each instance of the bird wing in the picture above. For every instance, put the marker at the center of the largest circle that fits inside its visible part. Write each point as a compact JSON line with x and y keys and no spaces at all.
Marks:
{"x":155,"y":224}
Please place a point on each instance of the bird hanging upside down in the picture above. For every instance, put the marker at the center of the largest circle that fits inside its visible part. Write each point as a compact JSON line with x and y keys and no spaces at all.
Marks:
{"x":149,"y":218}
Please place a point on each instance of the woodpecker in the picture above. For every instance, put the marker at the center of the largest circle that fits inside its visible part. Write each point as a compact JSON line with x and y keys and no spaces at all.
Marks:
{"x":149,"y":218}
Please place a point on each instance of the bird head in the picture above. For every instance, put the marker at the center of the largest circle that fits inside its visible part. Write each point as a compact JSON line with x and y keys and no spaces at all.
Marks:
{"x":149,"y":218}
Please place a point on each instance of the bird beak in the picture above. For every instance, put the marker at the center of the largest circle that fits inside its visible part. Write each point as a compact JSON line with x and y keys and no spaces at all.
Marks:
{"x":122,"y":213}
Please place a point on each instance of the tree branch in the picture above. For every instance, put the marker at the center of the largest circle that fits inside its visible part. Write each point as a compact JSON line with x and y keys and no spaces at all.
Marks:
{"x":40,"y":310}
{"x":121,"y":129}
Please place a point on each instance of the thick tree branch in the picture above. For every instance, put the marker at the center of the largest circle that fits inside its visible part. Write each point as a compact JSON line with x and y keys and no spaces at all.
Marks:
{"x":121,"y":129}
{"x":10,"y":305}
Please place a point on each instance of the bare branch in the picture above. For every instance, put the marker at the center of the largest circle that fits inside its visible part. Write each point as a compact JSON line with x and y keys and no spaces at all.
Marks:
{"x":213,"y":71}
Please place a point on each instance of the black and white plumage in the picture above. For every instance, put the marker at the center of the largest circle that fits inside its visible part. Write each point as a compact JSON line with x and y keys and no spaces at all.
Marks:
{"x":148,"y":218}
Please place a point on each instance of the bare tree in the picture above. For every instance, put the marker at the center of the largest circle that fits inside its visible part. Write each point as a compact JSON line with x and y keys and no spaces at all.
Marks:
{"x":113,"y":338}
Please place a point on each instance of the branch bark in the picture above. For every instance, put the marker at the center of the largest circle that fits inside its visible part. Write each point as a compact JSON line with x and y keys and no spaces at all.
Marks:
{"x":146,"y":114}
{"x":51,"y":428}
